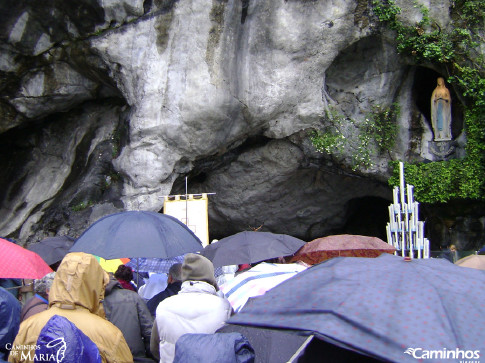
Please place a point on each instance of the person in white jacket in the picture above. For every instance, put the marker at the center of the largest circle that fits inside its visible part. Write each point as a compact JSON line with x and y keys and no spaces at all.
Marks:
{"x":197,"y":308}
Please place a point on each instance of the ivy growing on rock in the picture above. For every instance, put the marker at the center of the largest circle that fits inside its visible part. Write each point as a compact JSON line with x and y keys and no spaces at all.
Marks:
{"x":364,"y":139}
{"x":459,"y":51}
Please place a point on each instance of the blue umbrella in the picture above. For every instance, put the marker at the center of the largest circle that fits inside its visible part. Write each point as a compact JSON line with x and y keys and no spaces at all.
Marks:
{"x":385,"y":307}
{"x":137,"y":234}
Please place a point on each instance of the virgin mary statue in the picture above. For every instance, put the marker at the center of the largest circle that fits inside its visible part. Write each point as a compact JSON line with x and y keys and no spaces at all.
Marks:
{"x":441,"y":112}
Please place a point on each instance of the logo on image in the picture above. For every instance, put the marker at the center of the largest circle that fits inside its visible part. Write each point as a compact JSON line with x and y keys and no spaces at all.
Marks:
{"x":465,"y":356}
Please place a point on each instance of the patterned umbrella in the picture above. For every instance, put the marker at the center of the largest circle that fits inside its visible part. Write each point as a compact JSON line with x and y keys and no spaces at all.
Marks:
{"x":256,"y":281}
{"x":160,"y":265}
{"x":344,"y":245}
{"x":385,"y":307}
{"x":157,"y":265}
{"x":19,"y":263}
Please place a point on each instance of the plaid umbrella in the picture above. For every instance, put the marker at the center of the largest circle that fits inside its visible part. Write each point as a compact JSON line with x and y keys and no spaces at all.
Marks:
{"x":344,"y":245}
{"x":160,"y":265}
{"x":20,"y":263}
{"x":384,"y":307}
{"x":157,"y":265}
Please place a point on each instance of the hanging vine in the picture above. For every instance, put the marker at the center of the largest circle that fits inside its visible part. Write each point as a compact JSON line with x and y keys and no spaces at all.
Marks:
{"x":360,"y":139}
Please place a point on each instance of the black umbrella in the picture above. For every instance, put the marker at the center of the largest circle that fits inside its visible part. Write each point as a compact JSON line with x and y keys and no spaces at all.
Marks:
{"x":52,"y":249}
{"x":137,"y":234}
{"x":250,"y":247}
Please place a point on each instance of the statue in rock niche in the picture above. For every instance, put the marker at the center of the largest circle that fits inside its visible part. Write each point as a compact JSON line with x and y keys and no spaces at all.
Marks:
{"x":441,"y":112}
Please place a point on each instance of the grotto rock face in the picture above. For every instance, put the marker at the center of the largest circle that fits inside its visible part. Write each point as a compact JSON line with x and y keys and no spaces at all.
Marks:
{"x":108,"y":106}
{"x":252,"y":190}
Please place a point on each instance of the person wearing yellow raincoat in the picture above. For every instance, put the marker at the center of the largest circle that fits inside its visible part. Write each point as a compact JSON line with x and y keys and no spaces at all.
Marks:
{"x":76,"y":294}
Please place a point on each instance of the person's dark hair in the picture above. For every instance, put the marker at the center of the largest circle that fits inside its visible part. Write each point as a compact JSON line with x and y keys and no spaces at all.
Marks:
{"x":124,"y":273}
{"x":176,"y":271}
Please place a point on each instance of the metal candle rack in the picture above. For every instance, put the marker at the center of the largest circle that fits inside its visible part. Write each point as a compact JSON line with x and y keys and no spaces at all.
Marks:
{"x":405,"y":231}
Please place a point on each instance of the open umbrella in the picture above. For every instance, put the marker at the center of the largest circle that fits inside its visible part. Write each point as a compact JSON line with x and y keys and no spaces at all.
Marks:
{"x":256,"y":281}
{"x":160,"y":265}
{"x":344,"y":245}
{"x":251,"y":247}
{"x":113,"y":264}
{"x":157,"y":265}
{"x":52,"y":249}
{"x":17,"y":262}
{"x":133,"y":234}
{"x":472,"y":261}
{"x":384,"y":307}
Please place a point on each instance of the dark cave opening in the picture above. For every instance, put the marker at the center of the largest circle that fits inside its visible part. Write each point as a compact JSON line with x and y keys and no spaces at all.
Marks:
{"x":367,"y":216}
{"x":203,"y":167}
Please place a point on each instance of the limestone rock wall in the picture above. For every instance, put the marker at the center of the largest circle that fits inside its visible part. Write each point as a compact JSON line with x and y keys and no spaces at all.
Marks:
{"x":107,"y":106}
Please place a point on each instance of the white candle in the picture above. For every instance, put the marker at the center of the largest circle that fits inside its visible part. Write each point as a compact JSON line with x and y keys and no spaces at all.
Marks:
{"x":412,"y":238}
{"x":396,"y":241}
{"x":412,"y":218}
{"x":420,"y":246}
{"x":403,"y":242}
{"x":416,"y":214}
{"x":401,"y":180}
{"x":411,"y":245}
{"x":408,"y":194}
{"x":406,"y":218}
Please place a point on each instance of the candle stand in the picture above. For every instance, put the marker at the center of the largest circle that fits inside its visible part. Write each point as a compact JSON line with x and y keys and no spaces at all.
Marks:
{"x":405,"y":231}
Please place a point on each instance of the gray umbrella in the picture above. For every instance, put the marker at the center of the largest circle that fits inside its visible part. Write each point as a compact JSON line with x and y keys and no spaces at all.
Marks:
{"x":52,"y":249}
{"x":250,"y":247}
{"x":137,"y":234}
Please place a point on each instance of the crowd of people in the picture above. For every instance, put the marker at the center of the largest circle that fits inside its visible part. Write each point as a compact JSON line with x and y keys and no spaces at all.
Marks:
{"x":82,"y":304}
{"x":95,"y":316}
